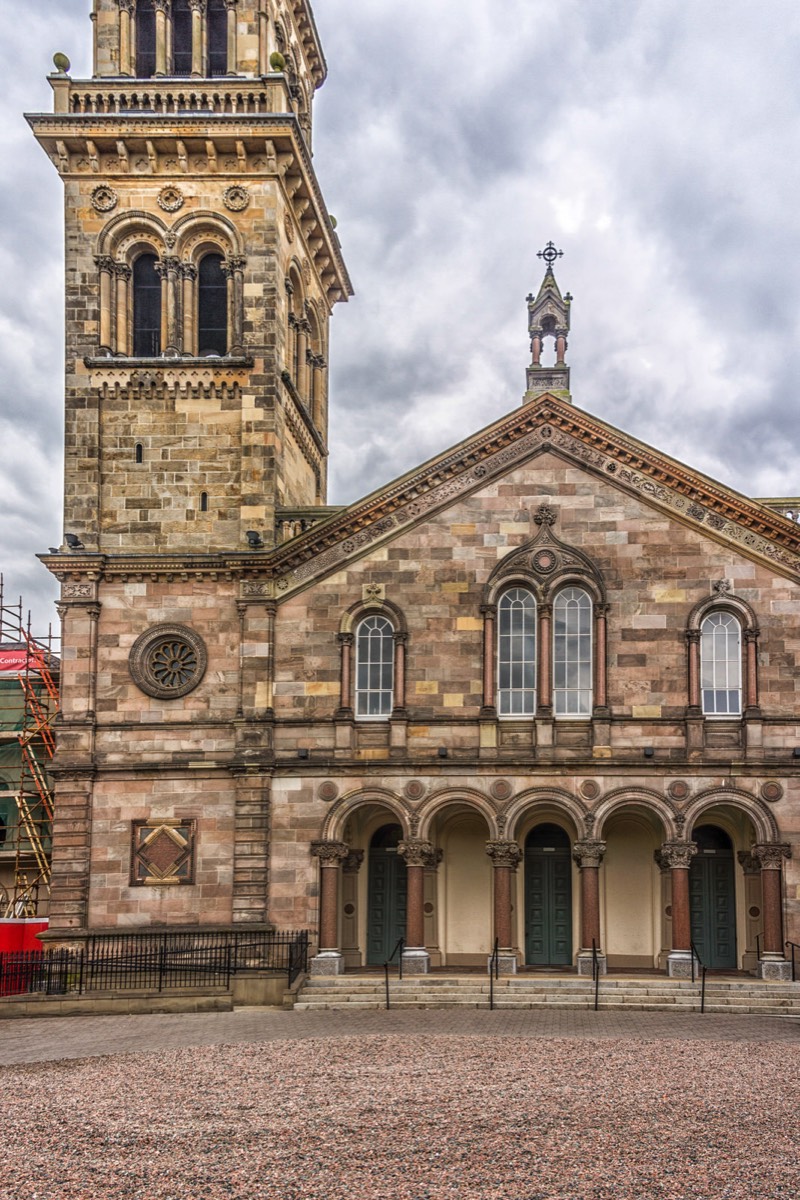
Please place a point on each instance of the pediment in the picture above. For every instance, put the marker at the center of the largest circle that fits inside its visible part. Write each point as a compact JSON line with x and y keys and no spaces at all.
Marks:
{"x":546,"y":425}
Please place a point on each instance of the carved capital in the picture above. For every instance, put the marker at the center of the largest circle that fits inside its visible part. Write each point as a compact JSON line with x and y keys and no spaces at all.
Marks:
{"x":188,"y":270}
{"x":233,"y":264}
{"x":676,"y":855}
{"x":330,"y":854}
{"x":162,"y":5}
{"x":415,"y":852}
{"x":588,"y":853}
{"x":104,"y":262}
{"x":770,"y":855}
{"x":345,"y":639}
{"x":504,"y":854}
{"x":693,"y":637}
{"x":197,"y":5}
{"x":122,"y":271}
{"x":352,"y":864}
{"x":127,"y":6}
{"x":749,"y":863}
{"x":751,"y":635}
{"x":167,"y":266}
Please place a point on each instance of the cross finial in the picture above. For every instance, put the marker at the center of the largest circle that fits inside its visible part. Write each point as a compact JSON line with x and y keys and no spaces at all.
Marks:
{"x":550,"y":254}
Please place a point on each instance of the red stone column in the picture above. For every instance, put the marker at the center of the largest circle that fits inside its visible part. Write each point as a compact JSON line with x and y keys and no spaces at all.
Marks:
{"x":600,"y":683}
{"x":536,"y":350}
{"x":505,"y":858}
{"x":417,"y":855}
{"x":346,"y":681}
{"x":751,"y":670}
{"x":770,"y":856}
{"x":588,"y":855}
{"x":489,"y":612}
{"x":331,"y":855}
{"x":693,"y":653}
{"x":676,"y":857}
{"x":545,"y":659}
{"x":400,"y":641}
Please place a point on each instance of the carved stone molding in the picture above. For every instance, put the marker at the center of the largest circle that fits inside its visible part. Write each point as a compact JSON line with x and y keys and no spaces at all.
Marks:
{"x":330,"y":854}
{"x":104,"y":198}
{"x":588,"y":853}
{"x":770,"y":855}
{"x":78,"y":591}
{"x":415,"y":852}
{"x":171,"y":198}
{"x":673,"y":855}
{"x":168,"y":661}
{"x":236,"y":197}
{"x":504,"y":854}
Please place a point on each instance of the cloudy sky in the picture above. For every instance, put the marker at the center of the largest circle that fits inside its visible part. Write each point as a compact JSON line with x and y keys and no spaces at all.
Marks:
{"x":655,"y":141}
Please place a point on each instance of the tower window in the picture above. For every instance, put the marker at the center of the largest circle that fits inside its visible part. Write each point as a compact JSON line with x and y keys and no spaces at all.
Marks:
{"x":204,"y":502}
{"x":181,"y":37}
{"x":217,"y":37}
{"x":146,"y":307}
{"x":374,"y":668}
{"x":212,"y":322}
{"x":139,"y":453}
{"x":145,"y":39}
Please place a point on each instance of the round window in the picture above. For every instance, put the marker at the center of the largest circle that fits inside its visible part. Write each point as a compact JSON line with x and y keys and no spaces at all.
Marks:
{"x":168,"y":661}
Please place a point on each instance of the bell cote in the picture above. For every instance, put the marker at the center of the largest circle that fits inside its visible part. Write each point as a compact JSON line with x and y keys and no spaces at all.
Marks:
{"x":548,"y":317}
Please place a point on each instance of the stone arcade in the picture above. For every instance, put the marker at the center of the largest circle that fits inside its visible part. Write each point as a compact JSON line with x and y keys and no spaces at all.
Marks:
{"x":542,"y":688}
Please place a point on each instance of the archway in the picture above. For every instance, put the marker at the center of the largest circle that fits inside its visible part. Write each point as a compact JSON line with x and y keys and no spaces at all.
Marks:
{"x":548,"y":897}
{"x":386,"y":894}
{"x":712,"y":897}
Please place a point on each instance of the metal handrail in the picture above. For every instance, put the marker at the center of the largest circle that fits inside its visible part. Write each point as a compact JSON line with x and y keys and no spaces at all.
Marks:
{"x":758,"y":947}
{"x":794,"y":946}
{"x":400,"y":945}
{"x":494,"y":970}
{"x":704,"y":968}
{"x":595,"y":974}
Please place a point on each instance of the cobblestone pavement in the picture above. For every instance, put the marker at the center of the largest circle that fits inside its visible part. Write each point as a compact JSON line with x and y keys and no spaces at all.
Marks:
{"x":57,"y":1038}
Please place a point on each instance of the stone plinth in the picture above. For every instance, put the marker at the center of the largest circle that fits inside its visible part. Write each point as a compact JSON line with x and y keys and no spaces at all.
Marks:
{"x":679,"y":964}
{"x":416,"y":961}
{"x":583,"y":964}
{"x":327,"y":962}
{"x":778,"y":969}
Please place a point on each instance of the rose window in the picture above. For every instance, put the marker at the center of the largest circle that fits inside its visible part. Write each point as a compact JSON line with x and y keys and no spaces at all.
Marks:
{"x":168,"y":661}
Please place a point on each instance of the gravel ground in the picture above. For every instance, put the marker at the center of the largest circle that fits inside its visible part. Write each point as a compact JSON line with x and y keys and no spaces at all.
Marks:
{"x":408,"y":1118}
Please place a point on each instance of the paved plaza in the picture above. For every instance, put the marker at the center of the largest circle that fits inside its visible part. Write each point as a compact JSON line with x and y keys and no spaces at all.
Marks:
{"x":261,"y":1104}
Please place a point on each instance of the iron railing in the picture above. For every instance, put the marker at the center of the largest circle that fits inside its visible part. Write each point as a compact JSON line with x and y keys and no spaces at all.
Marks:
{"x":154,"y":962}
{"x":794,"y":946}
{"x":596,"y":974}
{"x":704,"y":969}
{"x":758,"y":947}
{"x":400,"y":946}
{"x":494,"y":970}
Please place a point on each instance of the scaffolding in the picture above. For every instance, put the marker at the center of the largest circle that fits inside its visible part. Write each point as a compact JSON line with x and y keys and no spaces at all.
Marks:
{"x":29,"y":703}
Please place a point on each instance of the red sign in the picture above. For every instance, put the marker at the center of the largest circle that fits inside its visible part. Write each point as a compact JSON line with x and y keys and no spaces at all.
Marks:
{"x":16,"y":660}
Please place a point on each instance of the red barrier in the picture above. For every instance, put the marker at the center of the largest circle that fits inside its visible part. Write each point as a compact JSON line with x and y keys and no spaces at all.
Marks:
{"x":21,"y":933}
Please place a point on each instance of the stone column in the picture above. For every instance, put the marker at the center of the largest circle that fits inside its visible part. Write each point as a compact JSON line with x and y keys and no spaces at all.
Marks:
{"x":561,"y":349}
{"x":105,"y":265}
{"x":303,"y":330}
{"x":489,"y":612}
{"x":123,"y":275}
{"x":232,"y":61}
{"x":416,"y":853}
{"x":545,"y":699}
{"x":328,"y":959}
{"x":169,"y":270}
{"x":600,"y":683}
{"x":162,"y":8}
{"x":693,"y":652}
{"x":197,"y":36}
{"x":189,"y":276}
{"x":505,"y":858}
{"x":234,"y":271}
{"x":345,"y":676}
{"x":770,"y":856}
{"x":125,"y":38}
{"x":350,"y":869}
{"x":677,"y":857}
{"x":400,"y":643}
{"x":751,"y":671}
{"x":430,"y":908}
{"x":588,"y":855}
{"x":536,"y":350}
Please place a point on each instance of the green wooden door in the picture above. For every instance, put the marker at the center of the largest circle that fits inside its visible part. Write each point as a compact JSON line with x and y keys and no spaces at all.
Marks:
{"x":548,"y":898}
{"x":386,"y":895}
{"x":713,"y":898}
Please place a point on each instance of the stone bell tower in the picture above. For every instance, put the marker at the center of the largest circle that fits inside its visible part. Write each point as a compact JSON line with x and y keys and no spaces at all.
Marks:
{"x":548,"y":317}
{"x":202,"y":267}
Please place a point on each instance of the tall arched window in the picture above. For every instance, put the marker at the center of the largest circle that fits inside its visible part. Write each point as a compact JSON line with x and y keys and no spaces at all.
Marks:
{"x":146,"y":307}
{"x":145,"y":39}
{"x":374,"y":668}
{"x":212,"y":306}
{"x":721,"y":665}
{"x":181,"y":37}
{"x":516,"y":653}
{"x":572,"y":653}
{"x":217,"y":37}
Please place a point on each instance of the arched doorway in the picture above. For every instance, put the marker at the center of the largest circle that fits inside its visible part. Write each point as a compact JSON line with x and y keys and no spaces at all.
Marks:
{"x":713,"y":897}
{"x":386,"y":894}
{"x":548,"y":897}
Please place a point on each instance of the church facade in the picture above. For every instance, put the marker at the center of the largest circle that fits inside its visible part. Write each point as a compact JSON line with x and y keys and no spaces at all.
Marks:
{"x":539,"y":693}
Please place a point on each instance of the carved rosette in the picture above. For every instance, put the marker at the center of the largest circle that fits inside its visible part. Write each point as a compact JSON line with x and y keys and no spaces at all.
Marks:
{"x":168,"y":661}
{"x":236,"y":197}
{"x":330,"y":854}
{"x":104,"y":198}
{"x":504,"y":854}
{"x":588,"y":853}
{"x":416,"y":852}
{"x":770,"y":855}
{"x":170,"y":198}
{"x":677,"y":855}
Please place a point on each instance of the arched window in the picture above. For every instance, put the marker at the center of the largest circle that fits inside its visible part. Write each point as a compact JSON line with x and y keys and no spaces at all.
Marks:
{"x":145,"y":39}
{"x":146,"y":307}
{"x":217,"y":37}
{"x":212,"y":306}
{"x":374,"y":668}
{"x":572,"y":653}
{"x":516,"y":653}
{"x":721,"y":665}
{"x":181,"y":37}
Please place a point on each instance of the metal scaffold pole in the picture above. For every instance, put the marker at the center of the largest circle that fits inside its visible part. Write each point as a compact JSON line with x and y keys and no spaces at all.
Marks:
{"x":29,"y":703}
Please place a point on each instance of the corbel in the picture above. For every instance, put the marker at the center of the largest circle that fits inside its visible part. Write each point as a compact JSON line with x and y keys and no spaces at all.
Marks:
{"x":241,"y":155}
{"x":94,"y":157}
{"x":153,"y":157}
{"x":211,"y":152}
{"x":183,"y":157}
{"x":124,"y":158}
{"x":63,"y":157}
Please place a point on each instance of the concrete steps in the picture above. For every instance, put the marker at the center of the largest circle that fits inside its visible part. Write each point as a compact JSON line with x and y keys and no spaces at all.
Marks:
{"x":655,"y":994}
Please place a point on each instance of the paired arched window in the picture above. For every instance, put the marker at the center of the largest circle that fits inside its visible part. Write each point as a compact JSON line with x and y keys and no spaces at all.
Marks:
{"x":721,"y":665}
{"x":178,"y":46}
{"x":572,"y":653}
{"x":374,"y":686}
{"x":146,"y":307}
{"x":212,"y":306}
{"x":516,"y":653}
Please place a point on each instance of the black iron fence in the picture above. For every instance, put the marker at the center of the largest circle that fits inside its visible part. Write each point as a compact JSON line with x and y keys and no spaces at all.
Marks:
{"x":154,"y":961}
